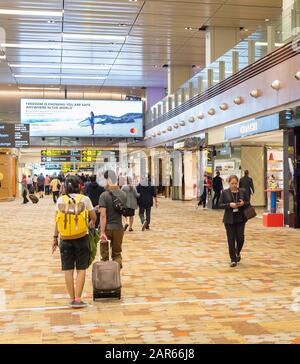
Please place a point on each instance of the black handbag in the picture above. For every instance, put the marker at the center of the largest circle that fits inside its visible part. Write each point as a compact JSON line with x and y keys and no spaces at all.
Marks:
{"x":249,"y":212}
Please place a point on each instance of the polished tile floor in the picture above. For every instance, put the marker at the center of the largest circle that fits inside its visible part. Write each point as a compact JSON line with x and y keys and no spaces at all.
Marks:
{"x":177,"y":284}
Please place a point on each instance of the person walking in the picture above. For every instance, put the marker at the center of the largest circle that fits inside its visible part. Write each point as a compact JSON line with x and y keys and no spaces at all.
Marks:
{"x":24,"y":189}
{"x":30,"y":184}
{"x":34,"y":181}
{"x":203,"y":197}
{"x":47,"y":185}
{"x":233,"y":200}
{"x":217,"y":186}
{"x":132,"y":195}
{"x":41,"y":185}
{"x":147,"y":194}
{"x":111,"y":227}
{"x":94,"y":191}
{"x":73,"y":232}
{"x":246,"y":182}
{"x":55,"y":187}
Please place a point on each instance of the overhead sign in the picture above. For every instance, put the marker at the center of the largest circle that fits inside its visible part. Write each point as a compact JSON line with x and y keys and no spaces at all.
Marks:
{"x":76,"y":156}
{"x":252,"y":127}
{"x":14,"y":135}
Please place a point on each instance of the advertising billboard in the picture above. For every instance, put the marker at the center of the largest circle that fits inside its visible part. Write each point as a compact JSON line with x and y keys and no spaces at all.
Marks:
{"x":83,"y":118}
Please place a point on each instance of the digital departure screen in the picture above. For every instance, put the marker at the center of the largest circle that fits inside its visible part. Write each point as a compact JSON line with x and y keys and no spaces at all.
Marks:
{"x":14,"y":135}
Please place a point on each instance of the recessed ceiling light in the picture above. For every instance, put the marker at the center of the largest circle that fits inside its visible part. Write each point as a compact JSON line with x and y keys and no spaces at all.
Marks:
{"x":188,"y":28}
{"x":132,"y":1}
{"x":51,"y":22}
{"x":94,"y":37}
{"x":267,"y":19}
{"x":63,"y":66}
{"x":61,"y":77}
{"x":32,"y":45}
{"x":31,"y":12}
{"x":40,"y":88}
{"x":123,"y":25}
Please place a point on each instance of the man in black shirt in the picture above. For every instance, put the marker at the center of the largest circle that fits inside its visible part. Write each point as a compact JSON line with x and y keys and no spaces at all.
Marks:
{"x":145,"y":201}
{"x":246,"y":182}
{"x":217,"y":188}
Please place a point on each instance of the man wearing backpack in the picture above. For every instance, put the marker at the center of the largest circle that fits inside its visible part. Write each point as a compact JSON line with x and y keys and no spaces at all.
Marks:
{"x":111,"y":203}
{"x":73,"y":211}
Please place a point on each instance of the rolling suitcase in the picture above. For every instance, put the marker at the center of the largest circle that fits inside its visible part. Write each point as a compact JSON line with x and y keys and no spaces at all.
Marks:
{"x":106,"y":278}
{"x":33,"y":198}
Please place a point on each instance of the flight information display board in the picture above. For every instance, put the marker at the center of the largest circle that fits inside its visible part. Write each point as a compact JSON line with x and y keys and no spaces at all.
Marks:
{"x":55,"y":157}
{"x":14,"y":135}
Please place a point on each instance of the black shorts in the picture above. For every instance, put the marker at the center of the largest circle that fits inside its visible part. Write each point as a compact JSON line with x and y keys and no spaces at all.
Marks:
{"x":41,"y":188}
{"x":130,"y":212}
{"x":75,"y":252}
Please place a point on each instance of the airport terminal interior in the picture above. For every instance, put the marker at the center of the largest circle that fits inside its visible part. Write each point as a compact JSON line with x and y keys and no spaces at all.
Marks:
{"x":169,"y":131}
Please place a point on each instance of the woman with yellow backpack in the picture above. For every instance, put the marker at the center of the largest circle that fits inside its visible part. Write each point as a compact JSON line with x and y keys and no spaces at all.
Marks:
{"x":73,"y":212}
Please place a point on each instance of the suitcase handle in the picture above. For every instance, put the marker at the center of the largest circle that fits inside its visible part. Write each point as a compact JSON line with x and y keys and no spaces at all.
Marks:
{"x":109,"y":249}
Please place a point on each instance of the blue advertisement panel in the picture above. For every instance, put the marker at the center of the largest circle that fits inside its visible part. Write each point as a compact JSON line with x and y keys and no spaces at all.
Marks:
{"x":252,"y":127}
{"x":83,"y":118}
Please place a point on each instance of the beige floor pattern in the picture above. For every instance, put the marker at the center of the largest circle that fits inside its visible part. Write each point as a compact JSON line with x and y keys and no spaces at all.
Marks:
{"x":177,"y":283}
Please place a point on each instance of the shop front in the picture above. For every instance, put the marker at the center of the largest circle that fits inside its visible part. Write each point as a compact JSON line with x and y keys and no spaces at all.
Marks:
{"x":8,"y":174}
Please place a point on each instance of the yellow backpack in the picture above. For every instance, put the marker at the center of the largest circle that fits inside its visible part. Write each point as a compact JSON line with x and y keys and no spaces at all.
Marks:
{"x":72,"y":218}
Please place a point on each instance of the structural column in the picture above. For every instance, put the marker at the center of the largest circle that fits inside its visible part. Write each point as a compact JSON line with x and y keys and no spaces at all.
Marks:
{"x":271,"y":38}
{"x":178,"y":75}
{"x":218,"y":40}
{"x":251,"y":51}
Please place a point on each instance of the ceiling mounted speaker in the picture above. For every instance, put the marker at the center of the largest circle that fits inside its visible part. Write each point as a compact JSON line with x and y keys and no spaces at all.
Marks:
{"x":170,"y":128}
{"x":201,"y":116}
{"x":297,"y":75}
{"x":255,"y":93}
{"x":176,"y":126}
{"x":191,"y":119}
{"x":238,"y":100}
{"x":211,"y":111}
{"x":224,"y":106}
{"x":182,"y":123}
{"x":276,"y":85}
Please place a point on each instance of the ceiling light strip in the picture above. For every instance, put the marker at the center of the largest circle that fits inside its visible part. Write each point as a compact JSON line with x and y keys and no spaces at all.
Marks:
{"x":57,"y":14}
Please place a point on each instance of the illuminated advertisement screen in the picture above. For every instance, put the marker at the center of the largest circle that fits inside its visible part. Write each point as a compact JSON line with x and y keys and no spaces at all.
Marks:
{"x":83,"y":118}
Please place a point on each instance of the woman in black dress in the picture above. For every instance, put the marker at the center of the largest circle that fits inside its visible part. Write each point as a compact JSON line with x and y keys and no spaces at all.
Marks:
{"x":233,"y":200}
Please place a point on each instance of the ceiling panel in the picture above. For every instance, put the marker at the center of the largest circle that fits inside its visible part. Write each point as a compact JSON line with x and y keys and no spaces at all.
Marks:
{"x":154,"y":34}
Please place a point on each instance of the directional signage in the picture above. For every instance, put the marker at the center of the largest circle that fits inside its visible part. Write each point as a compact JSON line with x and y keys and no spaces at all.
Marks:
{"x":76,"y":156}
{"x":14,"y":135}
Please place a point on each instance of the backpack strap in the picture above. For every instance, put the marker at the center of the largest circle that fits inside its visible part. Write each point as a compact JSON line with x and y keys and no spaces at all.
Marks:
{"x":67,"y":202}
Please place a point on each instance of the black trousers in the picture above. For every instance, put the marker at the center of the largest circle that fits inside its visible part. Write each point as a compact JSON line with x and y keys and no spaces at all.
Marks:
{"x":216,"y":197}
{"x":55,"y":196}
{"x":24,"y":195}
{"x":142,"y":211}
{"x":203,"y":198}
{"x":235,"y":238}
